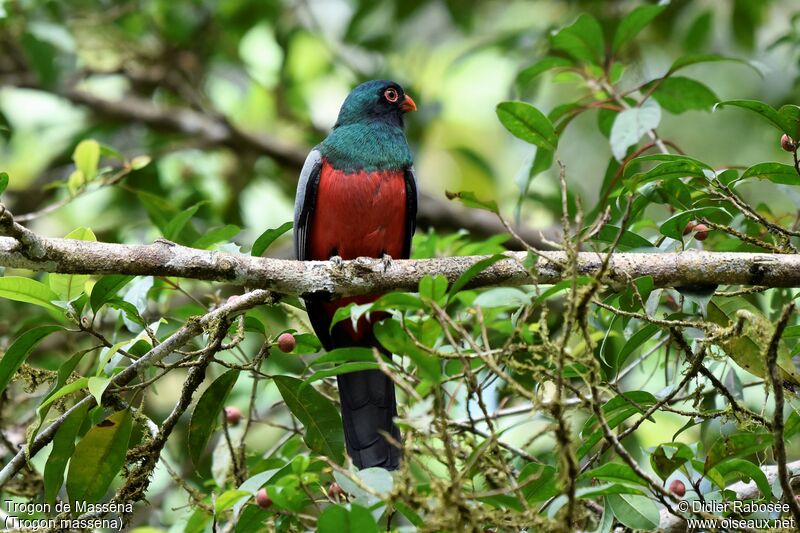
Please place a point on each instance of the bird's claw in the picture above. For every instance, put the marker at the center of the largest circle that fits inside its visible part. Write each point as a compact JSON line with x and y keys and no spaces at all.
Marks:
{"x":336,"y":260}
{"x":387,"y":261}
{"x":162,"y":240}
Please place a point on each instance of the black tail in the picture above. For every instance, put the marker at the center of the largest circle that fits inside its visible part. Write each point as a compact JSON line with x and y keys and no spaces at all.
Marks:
{"x":368,"y":399}
{"x":368,"y":406}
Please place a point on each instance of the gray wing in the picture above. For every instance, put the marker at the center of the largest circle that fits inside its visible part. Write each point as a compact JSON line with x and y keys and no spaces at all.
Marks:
{"x":412,"y":199}
{"x":304,"y":202}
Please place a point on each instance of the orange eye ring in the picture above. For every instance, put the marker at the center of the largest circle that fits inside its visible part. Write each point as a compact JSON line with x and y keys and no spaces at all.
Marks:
{"x":391,"y":95}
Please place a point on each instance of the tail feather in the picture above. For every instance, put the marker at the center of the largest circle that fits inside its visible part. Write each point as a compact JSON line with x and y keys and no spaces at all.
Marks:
{"x":367,"y":396}
{"x":368,"y":406}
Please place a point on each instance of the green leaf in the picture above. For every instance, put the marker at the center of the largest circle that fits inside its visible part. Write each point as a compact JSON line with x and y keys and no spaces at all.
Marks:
{"x":229,"y":498}
{"x":63,"y":448}
{"x":70,"y":286}
{"x":700,"y":29}
{"x":583,"y":40}
{"x":616,"y":410}
{"x":641,"y":336}
{"x":634,"y":511}
{"x":665,"y":171}
{"x":736,"y":446}
{"x":106,"y":288}
{"x":223,"y":233}
{"x":98,"y":457}
{"x":473,"y":271}
{"x":351,"y":311}
{"x":673,"y":227}
{"x":268,"y":237}
{"x":252,"y":519}
{"x":433,"y":288}
{"x":376,"y":478}
{"x":628,"y":241}
{"x":527,"y":123}
{"x":783,"y":122}
{"x":391,"y":335}
{"x":350,"y":354}
{"x":745,"y":470}
{"x":628,"y":300}
{"x":337,"y":519}
{"x":323,"y":425}
{"x":19,"y":351}
{"x":75,"y":181}
{"x":633,"y":23}
{"x":139,"y":162}
{"x":502,"y":297}
{"x":791,"y":115}
{"x":341,"y":369}
{"x":613,"y":472}
{"x":28,"y":290}
{"x":604,"y":490}
{"x":667,"y":458}
{"x":543,"y":484}
{"x":696,"y":165}
{"x":693,"y":59}
{"x":542,"y":161}
{"x":86,"y":157}
{"x":528,"y":74}
{"x":206,"y":413}
{"x":630,"y":125}
{"x":97,"y":386}
{"x":774,"y":172}
{"x":398,"y":301}
{"x":69,"y":388}
{"x":129,"y":310}
{"x":64,"y":373}
{"x":179,"y":221}
{"x":677,"y":94}
{"x":110,"y":152}
{"x":470,"y":200}
{"x":3,"y":182}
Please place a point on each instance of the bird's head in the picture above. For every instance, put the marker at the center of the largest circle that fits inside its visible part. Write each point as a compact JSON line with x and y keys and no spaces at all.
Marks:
{"x":376,"y":100}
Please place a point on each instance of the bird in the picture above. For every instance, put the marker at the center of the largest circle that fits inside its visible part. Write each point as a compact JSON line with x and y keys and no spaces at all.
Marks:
{"x":357,"y":197}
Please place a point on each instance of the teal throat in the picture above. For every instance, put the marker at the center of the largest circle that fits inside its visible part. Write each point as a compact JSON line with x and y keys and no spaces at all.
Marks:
{"x":367,"y":145}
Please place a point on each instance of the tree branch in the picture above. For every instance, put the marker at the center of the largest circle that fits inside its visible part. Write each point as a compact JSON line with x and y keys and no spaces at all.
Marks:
{"x":371,"y":276}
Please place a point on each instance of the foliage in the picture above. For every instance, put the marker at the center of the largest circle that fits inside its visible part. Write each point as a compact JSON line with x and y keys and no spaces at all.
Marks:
{"x":564,"y":407}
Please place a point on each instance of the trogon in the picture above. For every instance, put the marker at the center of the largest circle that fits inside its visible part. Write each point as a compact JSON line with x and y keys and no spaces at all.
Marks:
{"x":357,"y":197}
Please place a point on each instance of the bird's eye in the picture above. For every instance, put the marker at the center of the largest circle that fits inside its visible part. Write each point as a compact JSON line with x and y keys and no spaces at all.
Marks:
{"x":391,"y":95}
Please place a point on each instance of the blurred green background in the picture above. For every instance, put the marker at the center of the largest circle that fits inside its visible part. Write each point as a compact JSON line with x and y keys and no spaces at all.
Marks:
{"x":283,"y":68}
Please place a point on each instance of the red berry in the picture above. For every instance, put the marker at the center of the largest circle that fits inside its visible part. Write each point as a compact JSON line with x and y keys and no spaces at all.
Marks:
{"x":677,"y":488}
{"x":262,"y":499}
{"x":233,"y":414}
{"x":689,"y":227}
{"x":788,"y":144}
{"x":701,"y":232}
{"x":286,"y":342}
{"x":335,"y":491}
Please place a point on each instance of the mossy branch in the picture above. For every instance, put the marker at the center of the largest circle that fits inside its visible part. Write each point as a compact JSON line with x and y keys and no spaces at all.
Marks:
{"x":369,"y":276}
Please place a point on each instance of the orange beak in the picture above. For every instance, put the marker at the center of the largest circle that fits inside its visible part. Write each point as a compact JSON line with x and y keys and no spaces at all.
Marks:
{"x":408,"y":104}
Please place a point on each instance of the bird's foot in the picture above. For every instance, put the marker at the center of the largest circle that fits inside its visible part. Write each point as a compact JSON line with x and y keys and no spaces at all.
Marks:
{"x":387,"y":261}
{"x":337,"y":261}
{"x":162,"y":240}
